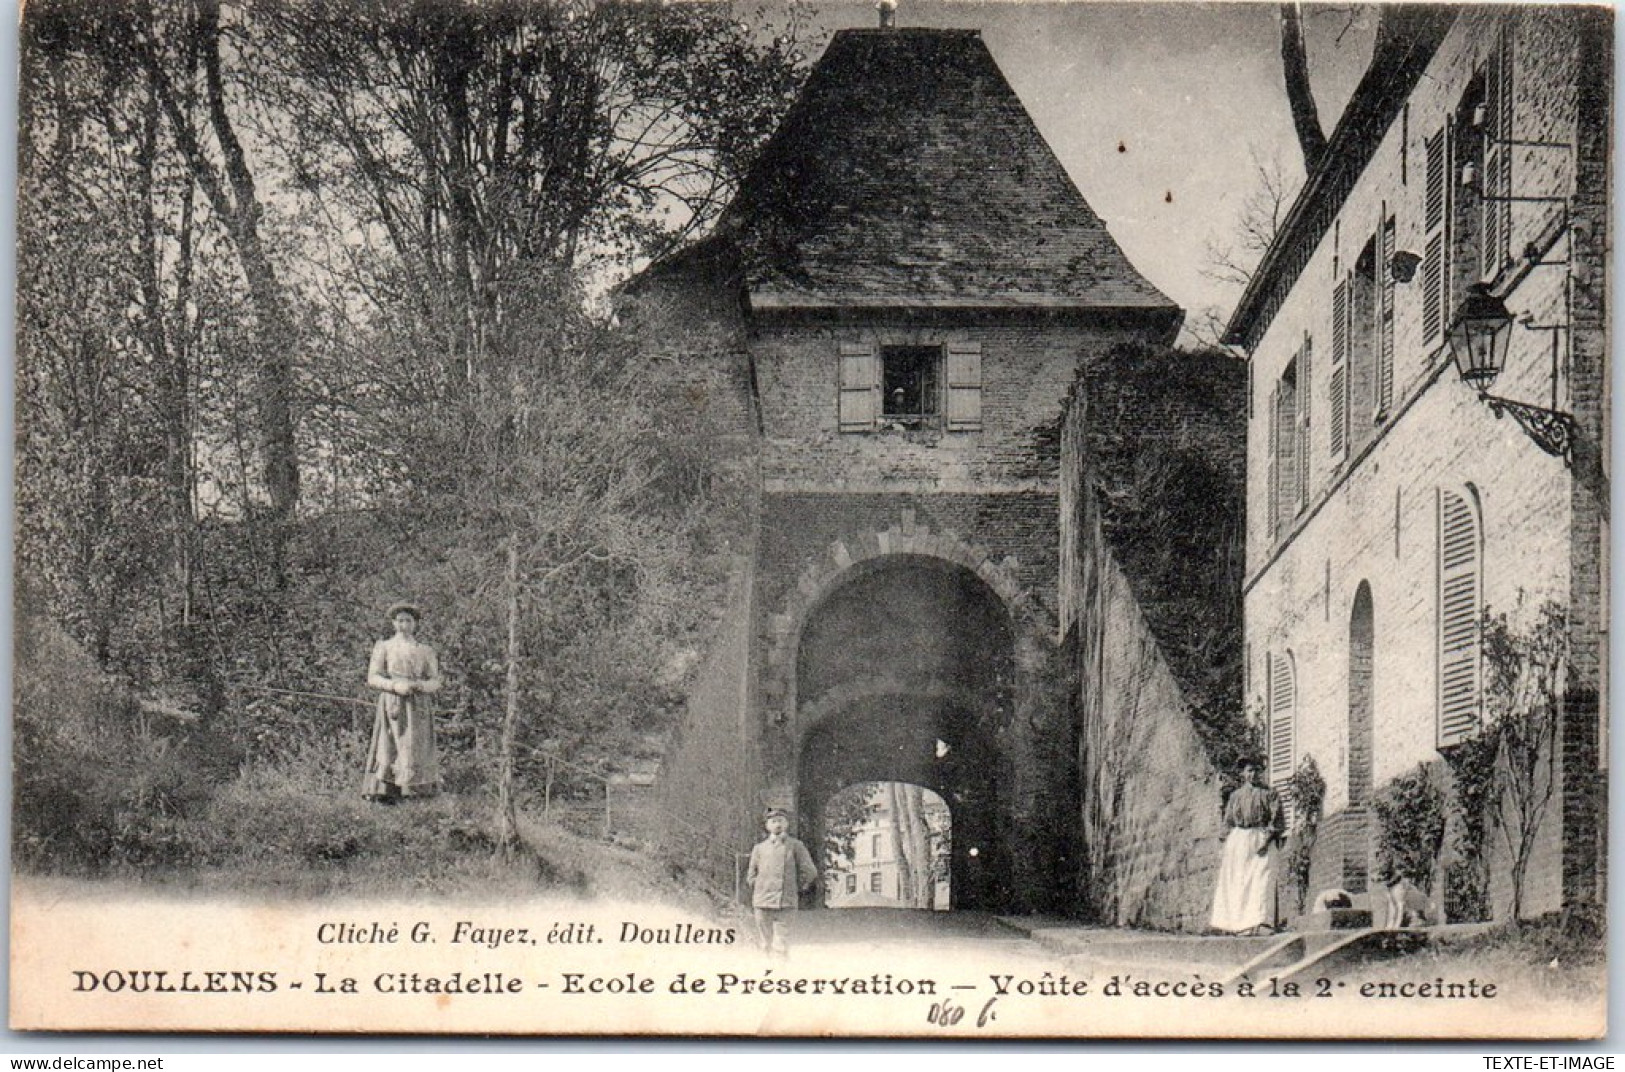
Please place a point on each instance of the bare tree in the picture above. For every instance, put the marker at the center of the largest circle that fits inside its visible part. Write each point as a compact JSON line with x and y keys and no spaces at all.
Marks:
{"x":1525,"y":679}
{"x":1257,"y":222}
{"x":488,"y":142}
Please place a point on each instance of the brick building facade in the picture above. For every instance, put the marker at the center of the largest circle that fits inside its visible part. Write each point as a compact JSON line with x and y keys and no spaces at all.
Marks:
{"x":888,"y":321}
{"x":1389,"y":507}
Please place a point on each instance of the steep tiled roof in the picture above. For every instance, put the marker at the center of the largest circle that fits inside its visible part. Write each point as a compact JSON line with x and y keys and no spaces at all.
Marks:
{"x":909,"y":174}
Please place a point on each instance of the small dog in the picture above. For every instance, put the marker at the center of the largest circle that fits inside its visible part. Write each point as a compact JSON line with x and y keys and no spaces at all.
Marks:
{"x":1326,"y":900}
{"x":1404,"y":906}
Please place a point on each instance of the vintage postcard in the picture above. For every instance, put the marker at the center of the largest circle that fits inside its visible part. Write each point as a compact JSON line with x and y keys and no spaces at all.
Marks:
{"x":1028,"y":520}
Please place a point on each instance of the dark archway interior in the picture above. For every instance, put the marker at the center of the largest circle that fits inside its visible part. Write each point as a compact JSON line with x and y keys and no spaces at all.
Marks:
{"x":902,"y":675}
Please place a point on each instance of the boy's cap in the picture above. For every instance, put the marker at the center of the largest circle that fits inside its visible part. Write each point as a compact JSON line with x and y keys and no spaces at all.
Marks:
{"x":775,"y":813}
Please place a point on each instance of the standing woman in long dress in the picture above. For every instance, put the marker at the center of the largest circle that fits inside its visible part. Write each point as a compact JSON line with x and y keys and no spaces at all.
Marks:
{"x":1242,"y":899}
{"x":406,"y":672}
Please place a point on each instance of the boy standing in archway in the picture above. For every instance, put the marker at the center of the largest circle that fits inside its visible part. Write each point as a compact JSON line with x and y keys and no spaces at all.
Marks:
{"x":781,"y":869}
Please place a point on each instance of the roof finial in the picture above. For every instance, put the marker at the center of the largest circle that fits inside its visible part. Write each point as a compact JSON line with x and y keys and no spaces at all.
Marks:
{"x":888,"y":13}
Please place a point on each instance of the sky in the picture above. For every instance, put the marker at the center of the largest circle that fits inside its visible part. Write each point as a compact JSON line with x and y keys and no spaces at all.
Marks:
{"x":1192,"y":92}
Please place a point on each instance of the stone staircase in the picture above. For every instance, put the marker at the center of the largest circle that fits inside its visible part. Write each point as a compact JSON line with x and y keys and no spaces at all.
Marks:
{"x":1321,"y":945}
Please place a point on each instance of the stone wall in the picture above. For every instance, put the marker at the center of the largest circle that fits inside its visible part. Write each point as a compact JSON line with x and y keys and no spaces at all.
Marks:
{"x":706,"y":795}
{"x":1148,"y":734}
{"x":1151,"y":827}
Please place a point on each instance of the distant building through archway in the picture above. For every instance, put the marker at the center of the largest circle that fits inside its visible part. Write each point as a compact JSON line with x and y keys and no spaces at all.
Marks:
{"x":887,"y":845}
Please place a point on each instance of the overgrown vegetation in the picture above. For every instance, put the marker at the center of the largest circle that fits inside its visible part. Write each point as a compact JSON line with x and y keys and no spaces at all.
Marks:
{"x":1504,"y":779}
{"x":1307,"y":790}
{"x":1472,"y":785}
{"x":1168,"y":462}
{"x":1410,"y":829}
{"x":311,"y":318}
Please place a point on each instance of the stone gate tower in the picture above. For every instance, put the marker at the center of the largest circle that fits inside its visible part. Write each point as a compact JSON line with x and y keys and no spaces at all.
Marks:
{"x":890,"y":316}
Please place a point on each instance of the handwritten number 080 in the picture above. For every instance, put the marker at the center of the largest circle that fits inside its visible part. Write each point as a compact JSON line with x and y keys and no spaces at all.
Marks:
{"x":947,"y":1014}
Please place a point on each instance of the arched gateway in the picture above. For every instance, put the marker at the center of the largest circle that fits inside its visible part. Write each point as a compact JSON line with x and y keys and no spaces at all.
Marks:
{"x":903,"y":674}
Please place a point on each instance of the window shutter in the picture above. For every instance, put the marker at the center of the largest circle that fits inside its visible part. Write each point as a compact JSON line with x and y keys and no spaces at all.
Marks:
{"x":1287,"y":435}
{"x":1301,"y":454}
{"x":1273,"y":485}
{"x":1433,"y":193}
{"x":964,"y":386}
{"x":1339,"y":419}
{"x":860,"y":387}
{"x":1433,"y":289}
{"x":1384,"y":386}
{"x":1283,"y":701}
{"x":1459,"y":627}
{"x":1496,"y":182}
{"x":1339,"y":429}
{"x":1433,"y":219}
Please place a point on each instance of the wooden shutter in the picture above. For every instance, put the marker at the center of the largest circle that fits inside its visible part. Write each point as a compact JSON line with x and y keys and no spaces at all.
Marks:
{"x":1496,"y":181}
{"x":1434,"y":190}
{"x":860,"y":387}
{"x":1273,"y":486}
{"x":1434,"y":200}
{"x":1460,"y":600}
{"x":1283,"y":702}
{"x":1433,"y":289}
{"x":1339,"y":416}
{"x":964,"y":386}
{"x":1301,"y":454}
{"x":1383,"y":387}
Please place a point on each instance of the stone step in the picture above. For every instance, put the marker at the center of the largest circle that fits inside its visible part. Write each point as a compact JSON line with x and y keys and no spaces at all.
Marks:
{"x":1332,"y":919}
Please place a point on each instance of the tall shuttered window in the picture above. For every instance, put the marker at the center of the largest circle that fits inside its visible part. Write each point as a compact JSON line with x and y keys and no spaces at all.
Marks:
{"x":1283,"y":713}
{"x":1305,"y":362}
{"x":1273,"y":446}
{"x":1287,"y":435}
{"x":1460,"y":607}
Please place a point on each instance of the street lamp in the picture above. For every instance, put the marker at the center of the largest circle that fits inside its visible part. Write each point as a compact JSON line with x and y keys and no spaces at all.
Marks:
{"x":1479,"y":335}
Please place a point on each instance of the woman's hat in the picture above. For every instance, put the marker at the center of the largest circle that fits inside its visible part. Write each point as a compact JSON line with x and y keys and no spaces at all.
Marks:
{"x":404,"y":608}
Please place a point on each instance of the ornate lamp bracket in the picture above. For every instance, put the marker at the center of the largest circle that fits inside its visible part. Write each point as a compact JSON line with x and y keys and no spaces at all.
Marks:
{"x":1552,"y":430}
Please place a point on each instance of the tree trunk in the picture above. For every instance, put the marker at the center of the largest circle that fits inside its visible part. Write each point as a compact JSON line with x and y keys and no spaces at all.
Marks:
{"x":913,"y":842}
{"x":279,"y":454}
{"x":1299,"y":94}
{"x":232,"y":193}
{"x":507,"y":813}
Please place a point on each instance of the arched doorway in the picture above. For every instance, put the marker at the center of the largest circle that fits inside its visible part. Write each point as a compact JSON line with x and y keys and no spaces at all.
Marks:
{"x":887,"y":845}
{"x":1361,"y":741}
{"x":902,"y":674}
